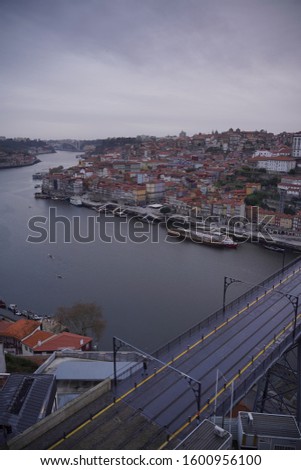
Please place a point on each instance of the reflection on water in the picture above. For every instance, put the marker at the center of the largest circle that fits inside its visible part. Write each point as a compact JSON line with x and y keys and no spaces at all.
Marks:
{"x":149,"y":292}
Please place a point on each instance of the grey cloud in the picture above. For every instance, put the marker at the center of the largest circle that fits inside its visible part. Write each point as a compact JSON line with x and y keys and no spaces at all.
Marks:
{"x":145,"y":62}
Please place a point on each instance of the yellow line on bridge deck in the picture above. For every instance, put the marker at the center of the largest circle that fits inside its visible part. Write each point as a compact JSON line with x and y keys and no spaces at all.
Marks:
{"x":185,"y":351}
{"x":222,"y":390}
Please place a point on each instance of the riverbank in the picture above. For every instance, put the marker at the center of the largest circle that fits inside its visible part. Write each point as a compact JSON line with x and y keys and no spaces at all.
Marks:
{"x":149,"y":290}
{"x":4,"y":166}
{"x":249,"y":234}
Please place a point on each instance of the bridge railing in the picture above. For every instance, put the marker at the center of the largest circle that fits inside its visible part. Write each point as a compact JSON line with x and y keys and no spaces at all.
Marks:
{"x":128,"y":372}
{"x":153,"y":365}
{"x":244,"y":384}
{"x":220,"y":315}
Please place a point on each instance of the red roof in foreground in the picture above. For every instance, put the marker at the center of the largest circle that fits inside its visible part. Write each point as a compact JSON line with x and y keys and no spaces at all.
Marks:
{"x":37,"y":338}
{"x":4,"y":325}
{"x":62,"y":341}
{"x":22,"y":328}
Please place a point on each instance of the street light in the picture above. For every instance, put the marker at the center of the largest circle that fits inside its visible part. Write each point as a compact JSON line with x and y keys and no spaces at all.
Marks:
{"x":227,"y":282}
{"x":194,"y":384}
{"x":294,"y":300}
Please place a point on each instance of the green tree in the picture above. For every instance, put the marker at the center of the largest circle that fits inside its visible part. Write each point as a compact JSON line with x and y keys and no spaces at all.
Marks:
{"x":254,"y":199}
{"x":83,"y":319}
{"x":19,"y":364}
{"x":56,"y":169}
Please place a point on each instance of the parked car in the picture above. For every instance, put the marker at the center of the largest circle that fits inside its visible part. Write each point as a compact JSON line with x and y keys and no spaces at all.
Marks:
{"x":37,"y":317}
{"x":13,"y":307}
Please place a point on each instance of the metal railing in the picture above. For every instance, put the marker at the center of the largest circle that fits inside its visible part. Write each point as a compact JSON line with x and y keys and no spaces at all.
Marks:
{"x":219,"y":315}
{"x":244,"y":384}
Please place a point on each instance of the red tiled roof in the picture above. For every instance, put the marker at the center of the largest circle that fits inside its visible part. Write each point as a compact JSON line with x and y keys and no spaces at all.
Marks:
{"x":33,"y":340}
{"x":4,"y":325}
{"x":62,"y":341}
{"x":275,"y":214}
{"x":22,"y":328}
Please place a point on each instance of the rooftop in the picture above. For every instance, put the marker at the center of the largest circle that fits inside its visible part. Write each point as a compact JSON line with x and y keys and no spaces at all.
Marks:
{"x":69,"y":368}
{"x":37,"y":338}
{"x":206,"y":436}
{"x":24,"y":400}
{"x":4,"y":325}
{"x":63,"y":341}
{"x":284,"y":426}
{"x":21,"y":328}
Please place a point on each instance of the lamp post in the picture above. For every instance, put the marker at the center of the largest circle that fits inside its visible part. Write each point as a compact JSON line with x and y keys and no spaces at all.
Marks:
{"x":294,"y":300}
{"x":227,"y":282}
{"x":194,"y":384}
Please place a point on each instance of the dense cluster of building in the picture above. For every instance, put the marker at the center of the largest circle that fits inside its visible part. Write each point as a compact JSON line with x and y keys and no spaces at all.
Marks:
{"x":185,"y":173}
{"x":206,"y":175}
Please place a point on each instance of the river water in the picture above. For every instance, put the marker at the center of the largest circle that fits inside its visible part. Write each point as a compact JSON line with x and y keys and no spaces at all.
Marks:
{"x":149,"y":292}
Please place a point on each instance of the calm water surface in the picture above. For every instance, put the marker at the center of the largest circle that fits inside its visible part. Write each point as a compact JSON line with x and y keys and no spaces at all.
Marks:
{"x":149,"y":292}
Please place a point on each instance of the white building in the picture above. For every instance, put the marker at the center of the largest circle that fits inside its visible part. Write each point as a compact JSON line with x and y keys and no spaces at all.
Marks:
{"x":296,"y":152}
{"x":275,"y":164}
{"x":262,"y":153}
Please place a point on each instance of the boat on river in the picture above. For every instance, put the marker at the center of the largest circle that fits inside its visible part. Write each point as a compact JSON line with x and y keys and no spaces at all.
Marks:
{"x":40,"y":195}
{"x":206,"y":238}
{"x":76,"y":201}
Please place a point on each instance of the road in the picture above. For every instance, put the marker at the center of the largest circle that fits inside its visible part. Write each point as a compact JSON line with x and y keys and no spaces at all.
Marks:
{"x":180,"y":386}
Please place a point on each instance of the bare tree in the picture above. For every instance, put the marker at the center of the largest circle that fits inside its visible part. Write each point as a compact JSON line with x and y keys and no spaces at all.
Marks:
{"x":83,"y":319}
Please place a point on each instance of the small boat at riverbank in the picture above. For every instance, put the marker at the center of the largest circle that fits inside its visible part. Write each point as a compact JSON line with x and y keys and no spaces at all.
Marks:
{"x":76,"y":201}
{"x":205,"y":238}
{"x":41,"y":196}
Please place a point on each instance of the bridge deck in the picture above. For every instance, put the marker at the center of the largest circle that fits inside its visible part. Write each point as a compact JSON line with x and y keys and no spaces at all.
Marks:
{"x":180,"y":385}
{"x":240,"y":346}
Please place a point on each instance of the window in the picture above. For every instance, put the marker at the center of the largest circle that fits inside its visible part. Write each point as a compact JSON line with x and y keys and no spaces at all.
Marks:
{"x":278,"y":447}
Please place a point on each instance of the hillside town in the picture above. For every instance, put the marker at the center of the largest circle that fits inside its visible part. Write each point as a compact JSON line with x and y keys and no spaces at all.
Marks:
{"x":222,"y":175}
{"x":234,"y":177}
{"x":18,"y":152}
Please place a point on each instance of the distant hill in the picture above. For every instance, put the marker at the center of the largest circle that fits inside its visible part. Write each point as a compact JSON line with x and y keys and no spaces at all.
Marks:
{"x":25,"y":146}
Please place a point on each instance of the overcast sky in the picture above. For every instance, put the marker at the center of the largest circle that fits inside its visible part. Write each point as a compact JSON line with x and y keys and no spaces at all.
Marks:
{"x":104,"y":68}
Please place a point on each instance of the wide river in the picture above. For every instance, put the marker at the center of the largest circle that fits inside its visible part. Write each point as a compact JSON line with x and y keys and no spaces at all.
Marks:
{"x":149,"y":292}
